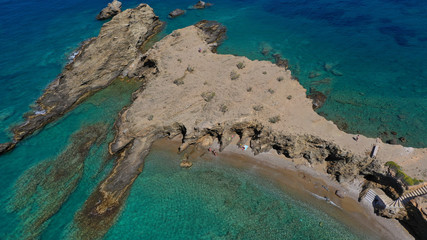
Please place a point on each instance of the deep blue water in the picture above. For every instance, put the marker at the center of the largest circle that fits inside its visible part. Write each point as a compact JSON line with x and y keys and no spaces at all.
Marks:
{"x":369,"y":55}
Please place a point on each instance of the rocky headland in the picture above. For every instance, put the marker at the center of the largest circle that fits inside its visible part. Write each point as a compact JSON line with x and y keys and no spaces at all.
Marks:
{"x":202,"y":97}
{"x":191,"y":93}
{"x":110,"y":11}
{"x":97,"y":63}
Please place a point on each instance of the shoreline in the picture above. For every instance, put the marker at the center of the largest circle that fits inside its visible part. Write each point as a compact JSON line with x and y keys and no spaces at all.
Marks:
{"x":299,"y":180}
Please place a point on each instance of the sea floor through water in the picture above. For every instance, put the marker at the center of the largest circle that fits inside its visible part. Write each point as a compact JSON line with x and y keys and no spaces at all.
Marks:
{"x":366,"y":56}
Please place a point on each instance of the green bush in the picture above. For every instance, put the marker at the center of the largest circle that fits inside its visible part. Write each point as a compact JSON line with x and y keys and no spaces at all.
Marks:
{"x":241,"y":65}
{"x":401,"y":175}
{"x":223,"y":108}
{"x":258,"y":108}
{"x":208,"y":96}
{"x":274,"y":119}
{"x":234,"y":75}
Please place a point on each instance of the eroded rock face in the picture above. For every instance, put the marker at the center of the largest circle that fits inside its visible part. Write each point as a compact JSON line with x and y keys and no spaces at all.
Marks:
{"x":99,"y":61}
{"x":417,"y":216}
{"x":110,"y":11}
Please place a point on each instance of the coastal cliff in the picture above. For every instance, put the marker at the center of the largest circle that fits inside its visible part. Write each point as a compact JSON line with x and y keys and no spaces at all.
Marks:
{"x":202,"y":97}
{"x":97,"y":63}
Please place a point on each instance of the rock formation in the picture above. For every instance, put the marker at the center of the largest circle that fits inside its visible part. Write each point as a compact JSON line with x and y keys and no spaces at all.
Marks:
{"x":190,"y":92}
{"x":110,"y":11}
{"x":201,"y":5}
{"x":99,"y":61}
{"x":208,"y":103}
{"x":176,"y":13}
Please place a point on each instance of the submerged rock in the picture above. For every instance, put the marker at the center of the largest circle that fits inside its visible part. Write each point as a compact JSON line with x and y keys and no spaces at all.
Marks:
{"x":314,"y":74}
{"x":318,"y":98}
{"x":281,"y":62}
{"x":176,"y":13}
{"x":110,"y":11}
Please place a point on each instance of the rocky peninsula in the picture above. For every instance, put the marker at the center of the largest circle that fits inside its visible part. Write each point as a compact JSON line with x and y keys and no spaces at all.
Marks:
{"x":97,"y":63}
{"x":202,"y":98}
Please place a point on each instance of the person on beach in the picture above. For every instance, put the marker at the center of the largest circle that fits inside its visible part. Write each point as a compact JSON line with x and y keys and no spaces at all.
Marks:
{"x":356,"y":138}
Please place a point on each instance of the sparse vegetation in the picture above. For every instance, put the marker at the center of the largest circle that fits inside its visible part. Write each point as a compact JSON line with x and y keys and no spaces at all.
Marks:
{"x":190,"y":69}
{"x":258,"y":108}
{"x":249,"y":89}
{"x":234,"y":75}
{"x":241,"y":65}
{"x":176,"y":34}
{"x":274,"y":119}
{"x":270,"y":90}
{"x":264,"y":72}
{"x":208,"y":96}
{"x":289,"y":97}
{"x":281,"y":78}
{"x":179,"y":60}
{"x":179,"y":81}
{"x":150,"y":117}
{"x":205,"y":83}
{"x":401,"y":175}
{"x":223,"y":108}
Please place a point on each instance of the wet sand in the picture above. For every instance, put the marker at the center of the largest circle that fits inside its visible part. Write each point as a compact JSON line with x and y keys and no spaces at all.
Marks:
{"x":301,"y":181}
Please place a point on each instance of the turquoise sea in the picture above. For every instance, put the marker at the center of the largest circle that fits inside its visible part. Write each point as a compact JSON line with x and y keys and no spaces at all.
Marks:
{"x":368,"y":57}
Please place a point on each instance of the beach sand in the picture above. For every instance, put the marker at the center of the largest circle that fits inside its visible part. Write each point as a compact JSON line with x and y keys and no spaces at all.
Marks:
{"x":300,"y":180}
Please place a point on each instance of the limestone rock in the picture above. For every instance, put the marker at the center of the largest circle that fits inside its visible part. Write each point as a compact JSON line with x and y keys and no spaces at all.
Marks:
{"x":98,"y":62}
{"x":340,"y":193}
{"x":186,"y":164}
{"x":176,"y":13}
{"x":110,"y":11}
{"x":201,"y":4}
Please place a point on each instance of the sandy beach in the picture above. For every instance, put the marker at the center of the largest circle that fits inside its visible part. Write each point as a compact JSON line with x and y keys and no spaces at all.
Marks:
{"x":301,"y":181}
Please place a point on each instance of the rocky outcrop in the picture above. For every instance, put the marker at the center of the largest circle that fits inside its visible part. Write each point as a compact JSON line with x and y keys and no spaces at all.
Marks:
{"x":99,"y":61}
{"x":102,"y":207}
{"x":209,"y":104}
{"x":201,"y":5}
{"x":176,"y":13}
{"x":110,"y":11}
{"x":213,"y":32}
{"x":417,"y":217}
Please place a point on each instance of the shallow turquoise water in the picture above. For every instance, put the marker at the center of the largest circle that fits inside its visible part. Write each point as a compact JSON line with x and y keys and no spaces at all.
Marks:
{"x":378,"y":47}
{"x":212,"y":200}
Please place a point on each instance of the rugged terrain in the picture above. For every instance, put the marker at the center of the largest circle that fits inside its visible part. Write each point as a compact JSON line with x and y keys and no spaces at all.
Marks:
{"x":98,"y":62}
{"x":192,"y":93}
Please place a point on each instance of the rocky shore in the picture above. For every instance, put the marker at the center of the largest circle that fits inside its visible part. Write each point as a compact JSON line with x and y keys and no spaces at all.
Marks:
{"x":202,"y":97}
{"x":191,"y":93}
{"x":98,"y":62}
